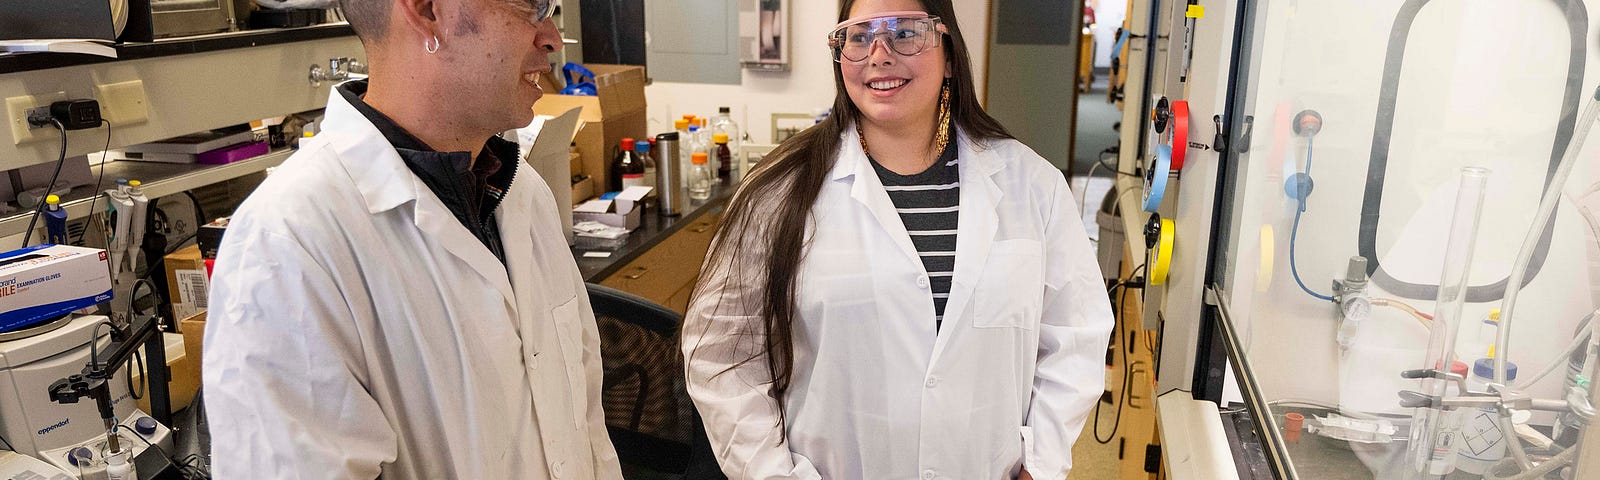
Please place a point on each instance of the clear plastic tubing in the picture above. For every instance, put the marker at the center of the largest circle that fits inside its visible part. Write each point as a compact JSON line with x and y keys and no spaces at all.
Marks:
{"x":1459,"y":245}
{"x":1547,"y":207}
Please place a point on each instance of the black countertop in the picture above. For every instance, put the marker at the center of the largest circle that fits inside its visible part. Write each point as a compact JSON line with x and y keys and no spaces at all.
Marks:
{"x":653,"y":228}
{"x":22,"y":62}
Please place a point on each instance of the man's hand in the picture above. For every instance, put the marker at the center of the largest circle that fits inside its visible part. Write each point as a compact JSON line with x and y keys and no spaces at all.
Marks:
{"x":1024,"y":475}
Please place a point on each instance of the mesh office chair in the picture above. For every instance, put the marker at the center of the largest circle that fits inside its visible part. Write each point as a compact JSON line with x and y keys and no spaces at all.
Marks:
{"x":651,"y":419}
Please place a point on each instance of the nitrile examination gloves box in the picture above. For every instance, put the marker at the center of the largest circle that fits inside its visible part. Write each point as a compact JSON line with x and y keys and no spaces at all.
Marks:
{"x":47,"y":281}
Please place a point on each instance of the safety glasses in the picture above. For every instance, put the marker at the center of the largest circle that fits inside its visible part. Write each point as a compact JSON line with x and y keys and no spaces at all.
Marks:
{"x":542,"y":9}
{"x":539,"y":10}
{"x":907,"y":34}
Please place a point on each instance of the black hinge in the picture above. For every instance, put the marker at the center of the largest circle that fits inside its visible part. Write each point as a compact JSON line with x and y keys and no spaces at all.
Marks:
{"x":1152,"y":458}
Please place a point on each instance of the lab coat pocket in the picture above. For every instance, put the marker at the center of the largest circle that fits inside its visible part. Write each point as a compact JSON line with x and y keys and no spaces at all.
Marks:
{"x":568,"y":322}
{"x":1010,"y":292}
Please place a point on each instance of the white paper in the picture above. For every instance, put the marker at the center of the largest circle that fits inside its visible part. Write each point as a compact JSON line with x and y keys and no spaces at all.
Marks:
{"x":634,"y":194}
{"x":593,"y":206}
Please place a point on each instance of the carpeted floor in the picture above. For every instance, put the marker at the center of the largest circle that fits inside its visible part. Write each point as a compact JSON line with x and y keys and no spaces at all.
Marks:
{"x":1090,"y":459}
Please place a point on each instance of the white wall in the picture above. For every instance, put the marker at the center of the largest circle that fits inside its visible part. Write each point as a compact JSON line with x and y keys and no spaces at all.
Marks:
{"x":807,"y":86}
{"x":1466,"y":99}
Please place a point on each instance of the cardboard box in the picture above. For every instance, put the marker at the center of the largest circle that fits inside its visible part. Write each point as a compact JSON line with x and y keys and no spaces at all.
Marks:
{"x":43,"y":282}
{"x":194,"y":335}
{"x":617,"y":113}
{"x":185,"y":370}
{"x":546,"y":146}
{"x":187,"y":281}
{"x":622,"y":211}
{"x":582,"y":189}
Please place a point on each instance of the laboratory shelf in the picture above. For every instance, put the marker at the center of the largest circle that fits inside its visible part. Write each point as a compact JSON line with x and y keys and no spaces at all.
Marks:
{"x":23,"y":62}
{"x":158,"y":179}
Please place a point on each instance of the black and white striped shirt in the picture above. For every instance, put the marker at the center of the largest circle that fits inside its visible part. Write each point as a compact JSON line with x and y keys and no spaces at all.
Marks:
{"x":928,"y":204}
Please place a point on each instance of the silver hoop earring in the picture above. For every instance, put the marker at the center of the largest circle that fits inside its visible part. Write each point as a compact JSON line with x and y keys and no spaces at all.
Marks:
{"x":431,"y":48}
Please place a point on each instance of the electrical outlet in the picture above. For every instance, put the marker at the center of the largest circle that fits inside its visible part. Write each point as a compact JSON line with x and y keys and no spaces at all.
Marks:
{"x":17,"y":115}
{"x":123,"y":103}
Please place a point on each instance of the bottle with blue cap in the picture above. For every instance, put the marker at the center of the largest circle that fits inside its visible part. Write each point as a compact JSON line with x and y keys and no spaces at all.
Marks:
{"x":1483,"y":443}
{"x":642,"y":148}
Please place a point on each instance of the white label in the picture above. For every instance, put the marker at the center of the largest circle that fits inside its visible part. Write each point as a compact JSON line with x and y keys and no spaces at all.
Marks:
{"x":192,"y":286}
{"x":633,"y":180}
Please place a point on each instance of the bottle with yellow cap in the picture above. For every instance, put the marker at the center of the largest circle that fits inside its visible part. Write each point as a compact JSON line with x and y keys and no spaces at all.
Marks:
{"x":1483,"y":340}
{"x":701,"y":177}
{"x":55,"y":221}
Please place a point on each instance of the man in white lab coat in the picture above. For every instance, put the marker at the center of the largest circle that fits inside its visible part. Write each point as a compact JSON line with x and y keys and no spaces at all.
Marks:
{"x":398,"y":300}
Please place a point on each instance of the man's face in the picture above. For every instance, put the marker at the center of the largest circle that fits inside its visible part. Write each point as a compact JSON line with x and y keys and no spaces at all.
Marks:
{"x":498,"y":48}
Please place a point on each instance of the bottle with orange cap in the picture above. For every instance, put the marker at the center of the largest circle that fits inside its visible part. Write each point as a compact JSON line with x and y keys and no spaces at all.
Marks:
{"x":724,"y":156}
{"x":701,"y":177}
{"x":685,"y":145}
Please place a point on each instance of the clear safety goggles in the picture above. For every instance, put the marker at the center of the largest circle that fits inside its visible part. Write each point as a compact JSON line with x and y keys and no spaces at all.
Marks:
{"x":541,"y":9}
{"x":907,"y":34}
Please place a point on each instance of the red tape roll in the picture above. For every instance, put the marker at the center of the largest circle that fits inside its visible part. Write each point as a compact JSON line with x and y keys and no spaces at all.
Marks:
{"x":1180,"y":133}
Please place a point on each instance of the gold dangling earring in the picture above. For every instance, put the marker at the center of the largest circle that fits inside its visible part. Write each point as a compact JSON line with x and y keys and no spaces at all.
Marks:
{"x":942,"y":138}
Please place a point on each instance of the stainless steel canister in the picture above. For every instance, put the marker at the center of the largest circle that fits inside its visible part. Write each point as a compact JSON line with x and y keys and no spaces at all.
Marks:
{"x":669,"y":176}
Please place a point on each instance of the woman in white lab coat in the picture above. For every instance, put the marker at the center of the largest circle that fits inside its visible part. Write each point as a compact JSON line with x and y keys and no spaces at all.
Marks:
{"x":824,"y":341}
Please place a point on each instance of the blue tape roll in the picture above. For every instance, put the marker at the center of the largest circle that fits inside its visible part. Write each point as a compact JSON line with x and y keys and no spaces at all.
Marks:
{"x":1155,"y":185}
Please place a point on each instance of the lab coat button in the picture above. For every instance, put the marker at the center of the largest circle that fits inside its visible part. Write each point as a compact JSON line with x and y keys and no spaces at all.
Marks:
{"x":922,"y":281}
{"x":932,"y":381}
{"x":557,"y":469}
{"x":927,"y":475}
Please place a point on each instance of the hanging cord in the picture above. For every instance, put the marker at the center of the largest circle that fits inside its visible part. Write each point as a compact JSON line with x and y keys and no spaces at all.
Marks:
{"x":61,"y":160}
{"x":1102,"y":162}
{"x":1294,"y":233}
{"x":1127,"y":373}
{"x":94,"y":195}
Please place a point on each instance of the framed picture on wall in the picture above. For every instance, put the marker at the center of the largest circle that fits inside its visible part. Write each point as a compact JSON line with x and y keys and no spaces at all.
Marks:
{"x":764,"y":34}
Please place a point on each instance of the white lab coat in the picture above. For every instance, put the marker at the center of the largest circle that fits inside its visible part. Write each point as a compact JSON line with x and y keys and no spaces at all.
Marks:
{"x":357,"y":329}
{"x":876,"y":393}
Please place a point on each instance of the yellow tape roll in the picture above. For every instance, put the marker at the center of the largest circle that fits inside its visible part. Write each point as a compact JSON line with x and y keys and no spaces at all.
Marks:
{"x":1161,"y":264}
{"x":1265,"y":268}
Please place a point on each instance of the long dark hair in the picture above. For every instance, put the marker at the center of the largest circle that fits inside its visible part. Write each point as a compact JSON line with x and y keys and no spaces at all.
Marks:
{"x":771,"y":210}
